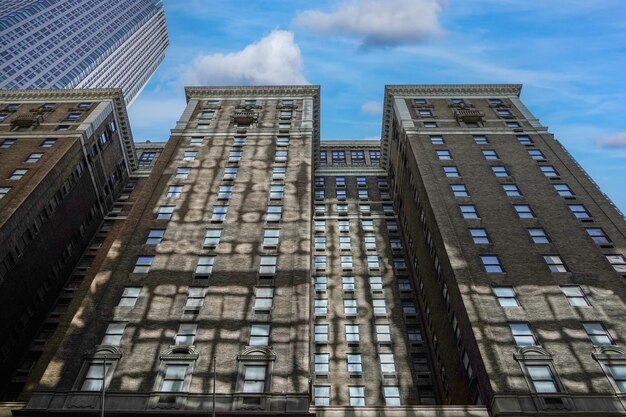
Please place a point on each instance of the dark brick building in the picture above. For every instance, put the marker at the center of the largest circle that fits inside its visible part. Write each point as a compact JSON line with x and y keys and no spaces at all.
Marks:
{"x":464,"y":266}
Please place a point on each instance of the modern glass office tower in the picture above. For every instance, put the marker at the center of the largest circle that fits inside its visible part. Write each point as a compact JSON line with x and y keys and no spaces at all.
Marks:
{"x":81,"y":44}
{"x":464,"y":266}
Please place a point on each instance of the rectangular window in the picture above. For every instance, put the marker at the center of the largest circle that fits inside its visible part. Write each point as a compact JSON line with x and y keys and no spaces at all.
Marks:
{"x":321,"y":394}
{"x":320,"y":262}
{"x":155,"y":236}
{"x":195,"y":141}
{"x":4,"y":191}
{"x":113,"y":334}
{"x":492,"y":264}
{"x":174,"y":378}
{"x":523,"y":211}
{"x":321,"y":306}
{"x":598,"y":235}
{"x":321,"y":333}
{"x":224,"y":192}
{"x":271,"y":237}
{"x":425,"y":113}
{"x":525,"y":140}
{"x":459,"y":190}
{"x":234,"y":156}
{"x":370,"y":242}
{"x":274,"y":213}
{"x":357,"y":396}
{"x":618,"y":372}
{"x":195,"y":299}
{"x":542,"y":378}
{"x":536,"y":154}
{"x":523,"y":334}
{"x":323,"y":158}
{"x":18,"y":174}
{"x":282,"y":140}
{"x":348,"y":283}
{"x":399,"y":263}
{"x":319,"y":181}
{"x":280,"y":156}
{"x":563,"y":190}
{"x":363,"y":194}
{"x":339,"y":157}
{"x":555,"y":263}
{"x":239,"y":141}
{"x":437,"y":140}
{"x":346,"y":262}
{"x":430,"y":125}
{"x":340,"y":182}
{"x":490,"y":155}
{"x":513,"y":125}
{"x":189,"y":155}
{"x":218,"y":214}
{"x":254,"y":379}
{"x":129,"y":297}
{"x":376,"y":283}
{"x":538,"y":235}
{"x":500,"y":171}
{"x":444,"y":155}
{"x":48,"y":143}
{"x":165,"y":212}
{"x":387,"y":363}
{"x":142,"y":264}
{"x":205,"y":265}
{"x":352,"y":333}
{"x":212,"y":238}
{"x":395,"y":244}
{"x":278,"y":173}
{"x":618,"y":262}
{"x":468,"y":211}
{"x":361,"y":182}
{"x":182,"y":173}
{"x":511,"y":190}
{"x":321,"y":362}
{"x":355,"y":365}
{"x":480,"y":236}
{"x":94,"y":376}
{"x":33,"y":157}
{"x":320,"y":242}
{"x":598,"y":334}
{"x":320,"y":225}
{"x":506,"y":296}
{"x":186,"y":334}
{"x":319,"y":194}
{"x":480,"y":140}
{"x":73,"y":116}
{"x":259,"y":334}
{"x":408,"y":309}
{"x":350,"y":307}
{"x":392,"y":396}
{"x":404,"y":284}
{"x":321,"y":283}
{"x":373,"y":262}
{"x":549,"y":171}
{"x":575,"y":296}
{"x":340,"y":194}
{"x":342,"y":208}
{"x":374,"y":157}
{"x":277,"y":191}
{"x":174,"y":191}
{"x":383,"y":333}
{"x":7,"y":143}
{"x":267,"y":265}
{"x":579,"y":211}
{"x":379,"y":307}
{"x":343,"y":225}
{"x":451,"y":172}
{"x":229,"y":173}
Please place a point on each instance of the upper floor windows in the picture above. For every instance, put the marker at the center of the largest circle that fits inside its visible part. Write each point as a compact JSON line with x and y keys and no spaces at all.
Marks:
{"x":549,"y":171}
{"x":451,"y":171}
{"x":575,"y":296}
{"x":563,"y":190}
{"x":437,"y":140}
{"x":492,"y":264}
{"x":444,"y":155}
{"x":523,"y":334}
{"x":579,"y":211}
{"x":182,"y":173}
{"x":490,"y":155}
{"x":598,"y":334}
{"x":536,"y":154}
{"x":189,"y":155}
{"x":506,"y":296}
{"x":500,"y":171}
{"x":468,"y":211}
{"x":155,"y":236}
{"x":480,"y":236}
{"x":7,"y":143}
{"x":459,"y":190}
{"x":142,"y":264}
{"x":542,"y":378}
{"x":273,"y":213}
{"x":129,"y":297}
{"x":525,"y":140}
{"x":480,"y":139}
{"x":555,"y":263}
{"x":48,"y":143}
{"x":618,"y":262}
{"x":511,"y":190}
{"x":4,"y":191}
{"x":33,"y":157}
{"x":523,"y":211}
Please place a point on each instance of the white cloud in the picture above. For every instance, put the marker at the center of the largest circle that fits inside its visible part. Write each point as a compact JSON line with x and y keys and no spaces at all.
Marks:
{"x":274,"y":60}
{"x":372,"y":107}
{"x":379,"y":22}
{"x":617,"y":140}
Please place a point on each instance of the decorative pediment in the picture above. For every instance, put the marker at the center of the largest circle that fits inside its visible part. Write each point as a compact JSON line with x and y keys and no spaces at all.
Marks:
{"x":179,"y":353}
{"x":254,"y":353}
{"x":609,"y":352}
{"x":100,"y":351}
{"x":533,"y":353}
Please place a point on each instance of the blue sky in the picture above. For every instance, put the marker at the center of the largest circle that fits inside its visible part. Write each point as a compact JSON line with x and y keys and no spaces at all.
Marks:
{"x":569,"y":54}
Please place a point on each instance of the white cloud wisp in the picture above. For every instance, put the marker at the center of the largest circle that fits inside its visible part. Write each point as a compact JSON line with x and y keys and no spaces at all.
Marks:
{"x":379,"y":22}
{"x":372,"y":107}
{"x":276,"y":59}
{"x":617,"y":140}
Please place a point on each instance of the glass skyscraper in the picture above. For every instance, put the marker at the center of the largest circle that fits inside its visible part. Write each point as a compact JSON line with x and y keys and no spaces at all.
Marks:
{"x":81,"y":44}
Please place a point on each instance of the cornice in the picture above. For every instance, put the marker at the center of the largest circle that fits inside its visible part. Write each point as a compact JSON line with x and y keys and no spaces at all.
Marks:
{"x":61,"y":94}
{"x":250,"y":91}
{"x":455,"y":90}
{"x":349,"y":143}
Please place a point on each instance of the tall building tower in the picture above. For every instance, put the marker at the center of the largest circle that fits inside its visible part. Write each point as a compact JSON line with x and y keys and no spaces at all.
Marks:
{"x":65,"y":156}
{"x":518,"y":256}
{"x":89,"y":44}
{"x":465,"y":266}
